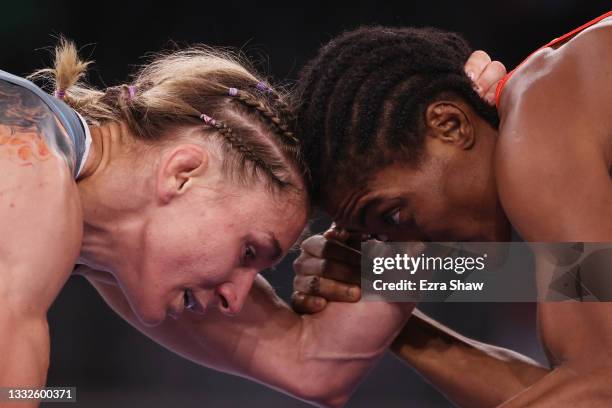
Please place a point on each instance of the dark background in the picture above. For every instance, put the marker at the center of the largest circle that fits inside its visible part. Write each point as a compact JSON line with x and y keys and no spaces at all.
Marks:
{"x":111,"y":363}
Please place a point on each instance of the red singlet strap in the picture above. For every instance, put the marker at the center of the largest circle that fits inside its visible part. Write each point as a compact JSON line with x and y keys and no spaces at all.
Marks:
{"x":558,"y":40}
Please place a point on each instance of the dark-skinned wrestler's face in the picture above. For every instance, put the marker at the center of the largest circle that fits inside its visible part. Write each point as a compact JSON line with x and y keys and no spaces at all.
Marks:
{"x":449,"y":196}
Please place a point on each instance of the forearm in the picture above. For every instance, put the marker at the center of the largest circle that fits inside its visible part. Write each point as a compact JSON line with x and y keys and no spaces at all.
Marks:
{"x":319,"y":359}
{"x":464,"y":369}
{"x":339,"y":345}
{"x":567,"y":386}
{"x":24,"y":352}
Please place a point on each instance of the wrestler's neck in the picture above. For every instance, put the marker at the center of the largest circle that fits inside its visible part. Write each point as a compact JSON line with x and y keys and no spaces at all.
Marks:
{"x":114,"y":205}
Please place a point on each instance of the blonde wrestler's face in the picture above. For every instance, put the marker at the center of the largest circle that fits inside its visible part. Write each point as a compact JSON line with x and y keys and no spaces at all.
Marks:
{"x":207,"y":239}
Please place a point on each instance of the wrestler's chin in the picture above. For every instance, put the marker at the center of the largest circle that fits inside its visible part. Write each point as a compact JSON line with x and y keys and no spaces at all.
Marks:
{"x":150,"y":317}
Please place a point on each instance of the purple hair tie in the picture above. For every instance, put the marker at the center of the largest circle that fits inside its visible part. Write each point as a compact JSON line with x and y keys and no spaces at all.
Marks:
{"x":59,"y":94}
{"x":263,"y":87}
{"x":131,"y":92}
{"x":233,"y":92}
{"x":208,"y":120}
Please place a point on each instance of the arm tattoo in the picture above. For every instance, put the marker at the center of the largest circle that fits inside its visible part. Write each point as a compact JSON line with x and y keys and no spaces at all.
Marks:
{"x":29,"y":131}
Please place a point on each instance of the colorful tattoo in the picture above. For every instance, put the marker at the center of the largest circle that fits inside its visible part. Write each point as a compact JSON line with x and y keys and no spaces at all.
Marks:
{"x":29,"y":131}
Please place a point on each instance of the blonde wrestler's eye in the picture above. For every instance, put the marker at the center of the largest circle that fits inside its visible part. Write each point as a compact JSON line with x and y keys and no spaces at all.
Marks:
{"x":249,"y":253}
{"x":392,"y":217}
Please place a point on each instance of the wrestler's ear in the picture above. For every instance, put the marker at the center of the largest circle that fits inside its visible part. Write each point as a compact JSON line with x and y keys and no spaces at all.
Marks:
{"x":179,"y":168}
{"x":448,"y":122}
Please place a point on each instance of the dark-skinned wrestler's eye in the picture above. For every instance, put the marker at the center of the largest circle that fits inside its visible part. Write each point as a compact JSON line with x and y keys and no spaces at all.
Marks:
{"x":392,"y":217}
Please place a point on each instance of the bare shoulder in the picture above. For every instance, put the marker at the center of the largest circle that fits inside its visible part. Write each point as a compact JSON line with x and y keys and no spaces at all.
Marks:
{"x":40,"y":210}
{"x":552,"y":163}
{"x":575,"y":73}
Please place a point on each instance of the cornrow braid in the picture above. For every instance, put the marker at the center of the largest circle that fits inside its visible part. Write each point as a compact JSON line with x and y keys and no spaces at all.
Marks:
{"x":171,"y":91}
{"x":327,"y":69}
{"x":279,"y":116}
{"x":284,"y":111}
{"x":237,"y":143}
{"x":360,"y":102}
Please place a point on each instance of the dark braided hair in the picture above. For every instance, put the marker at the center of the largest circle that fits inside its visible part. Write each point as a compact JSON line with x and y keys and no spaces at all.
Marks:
{"x":360,"y":102}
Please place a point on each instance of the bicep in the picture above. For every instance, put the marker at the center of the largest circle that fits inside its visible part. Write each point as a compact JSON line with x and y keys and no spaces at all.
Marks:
{"x":24,"y":347}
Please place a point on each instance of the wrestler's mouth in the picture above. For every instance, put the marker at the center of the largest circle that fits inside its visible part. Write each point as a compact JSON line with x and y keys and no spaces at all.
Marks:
{"x":191,"y":303}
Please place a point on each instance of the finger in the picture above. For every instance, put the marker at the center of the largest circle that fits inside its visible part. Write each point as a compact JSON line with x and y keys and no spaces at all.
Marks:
{"x":320,"y":247}
{"x":332,"y":229}
{"x":336,"y":234}
{"x":329,"y":289}
{"x":306,"y":264}
{"x":381,"y":249}
{"x":487,"y":82}
{"x":351,"y":239}
{"x":476,"y":64}
{"x":490,"y":95}
{"x":304,"y":304}
{"x":327,"y":268}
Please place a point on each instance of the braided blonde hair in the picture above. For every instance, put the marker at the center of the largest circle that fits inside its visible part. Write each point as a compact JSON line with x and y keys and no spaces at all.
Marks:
{"x":175,"y":89}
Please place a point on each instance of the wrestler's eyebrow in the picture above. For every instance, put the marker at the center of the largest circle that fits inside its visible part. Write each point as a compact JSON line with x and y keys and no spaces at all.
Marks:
{"x":363,"y":211}
{"x":277,"y":252}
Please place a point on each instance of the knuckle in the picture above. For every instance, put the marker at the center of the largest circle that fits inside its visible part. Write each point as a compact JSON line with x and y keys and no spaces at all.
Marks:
{"x":311,"y":302}
{"x":356,"y":293}
{"x":310,"y":242}
{"x":499,"y":66}
{"x":348,"y":292}
{"x":301,"y":261}
{"x":298,"y":264}
{"x":481,"y":55}
{"x":342,"y":290}
{"x":332,"y":285}
{"x":302,"y":285}
{"x":299,"y":303}
{"x":297,"y":297}
{"x":314,"y":285}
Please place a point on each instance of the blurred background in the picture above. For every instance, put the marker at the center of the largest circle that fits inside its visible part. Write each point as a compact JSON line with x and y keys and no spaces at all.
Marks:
{"x":109,"y":362}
